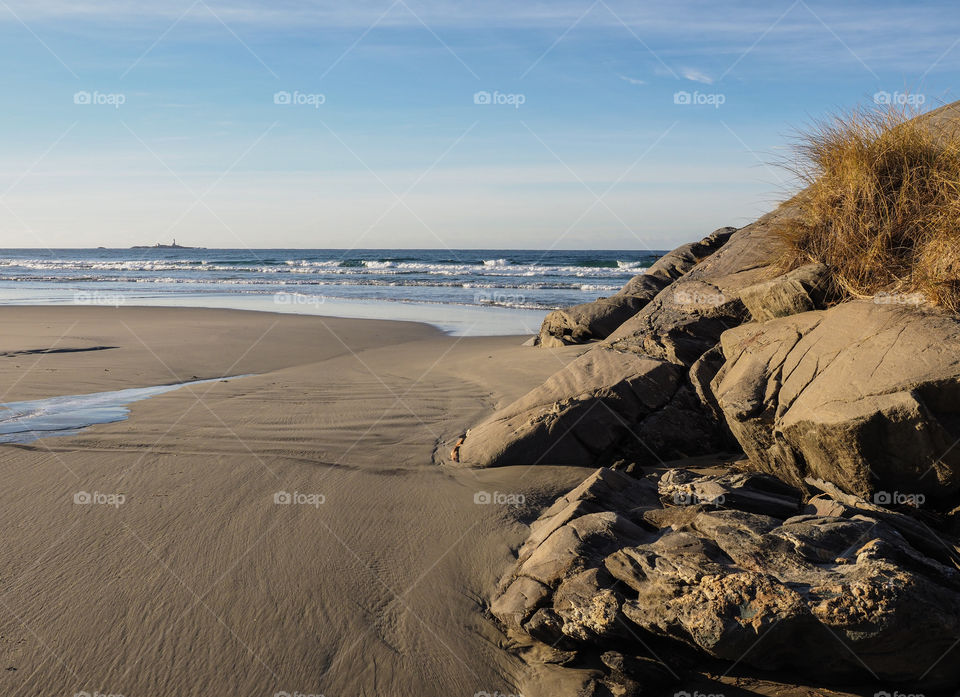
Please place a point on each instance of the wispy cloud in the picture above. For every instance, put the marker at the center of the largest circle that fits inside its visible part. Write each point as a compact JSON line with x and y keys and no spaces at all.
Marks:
{"x":632,"y":80}
{"x":835,"y":31}
{"x":695,"y":75}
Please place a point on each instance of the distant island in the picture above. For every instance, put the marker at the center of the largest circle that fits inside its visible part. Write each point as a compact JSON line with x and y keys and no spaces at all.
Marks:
{"x":172,"y":245}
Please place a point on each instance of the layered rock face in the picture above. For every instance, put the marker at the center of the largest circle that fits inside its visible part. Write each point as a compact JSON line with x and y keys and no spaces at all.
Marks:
{"x":597,"y":320}
{"x":740,"y":568}
{"x":864,"y":395}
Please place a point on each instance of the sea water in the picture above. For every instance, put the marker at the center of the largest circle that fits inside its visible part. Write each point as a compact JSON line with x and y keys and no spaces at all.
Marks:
{"x":23,"y":422}
{"x":461,"y":291}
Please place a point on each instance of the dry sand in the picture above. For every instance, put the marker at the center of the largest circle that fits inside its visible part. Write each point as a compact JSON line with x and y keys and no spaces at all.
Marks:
{"x":199,"y":583}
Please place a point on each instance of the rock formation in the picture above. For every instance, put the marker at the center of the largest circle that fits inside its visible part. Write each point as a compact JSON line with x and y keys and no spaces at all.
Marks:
{"x":828,"y":551}
{"x":739,"y":567}
{"x":634,"y":391}
{"x":863,"y":395}
{"x":597,"y":320}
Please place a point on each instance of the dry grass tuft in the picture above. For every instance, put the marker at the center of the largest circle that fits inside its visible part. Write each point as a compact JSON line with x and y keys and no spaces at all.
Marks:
{"x":882,"y":204}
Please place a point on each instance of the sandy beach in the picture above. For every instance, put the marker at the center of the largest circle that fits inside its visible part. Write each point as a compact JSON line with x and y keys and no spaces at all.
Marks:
{"x":199,"y":584}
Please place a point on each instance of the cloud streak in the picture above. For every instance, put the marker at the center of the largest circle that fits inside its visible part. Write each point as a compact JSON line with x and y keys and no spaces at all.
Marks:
{"x":683,"y":30}
{"x":696,"y":76}
{"x":680,"y":30}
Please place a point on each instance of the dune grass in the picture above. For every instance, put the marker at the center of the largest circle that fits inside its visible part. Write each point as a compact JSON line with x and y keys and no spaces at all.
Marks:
{"x":882,"y":204}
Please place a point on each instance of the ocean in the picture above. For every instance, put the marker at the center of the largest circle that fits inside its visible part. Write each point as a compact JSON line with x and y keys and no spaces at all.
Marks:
{"x":473,"y":292}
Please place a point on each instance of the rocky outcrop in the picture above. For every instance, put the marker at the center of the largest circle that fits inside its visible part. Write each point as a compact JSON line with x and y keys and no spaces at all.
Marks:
{"x":829,"y":553}
{"x":634,"y":393}
{"x":801,"y":290}
{"x":863,"y":395}
{"x":736,"y":567}
{"x":596,"y":320}
{"x":686,"y":319}
{"x":581,"y":414}
{"x":603,"y":406}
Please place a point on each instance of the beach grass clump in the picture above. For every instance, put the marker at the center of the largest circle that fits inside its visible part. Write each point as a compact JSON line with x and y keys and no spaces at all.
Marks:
{"x":881,"y":207}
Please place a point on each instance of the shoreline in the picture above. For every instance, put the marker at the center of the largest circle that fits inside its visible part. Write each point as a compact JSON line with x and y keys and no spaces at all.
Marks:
{"x":455,"y":320}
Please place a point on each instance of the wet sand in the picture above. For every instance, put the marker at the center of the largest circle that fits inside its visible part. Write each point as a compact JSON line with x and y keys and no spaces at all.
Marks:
{"x":199,"y":583}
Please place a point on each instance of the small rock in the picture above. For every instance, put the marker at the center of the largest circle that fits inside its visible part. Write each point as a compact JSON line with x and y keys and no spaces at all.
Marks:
{"x":801,"y":290}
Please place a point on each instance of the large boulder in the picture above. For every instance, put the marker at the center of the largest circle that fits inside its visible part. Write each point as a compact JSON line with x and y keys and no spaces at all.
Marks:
{"x":733,"y":566}
{"x":585,"y":322}
{"x":863,"y":395}
{"x":581,"y":414}
{"x":597,"y":320}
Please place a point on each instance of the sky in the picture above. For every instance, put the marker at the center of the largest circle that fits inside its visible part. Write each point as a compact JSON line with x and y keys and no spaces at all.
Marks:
{"x":431,"y":123}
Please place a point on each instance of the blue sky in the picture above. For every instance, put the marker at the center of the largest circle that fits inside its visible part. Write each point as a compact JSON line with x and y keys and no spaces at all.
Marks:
{"x":583,"y":144}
